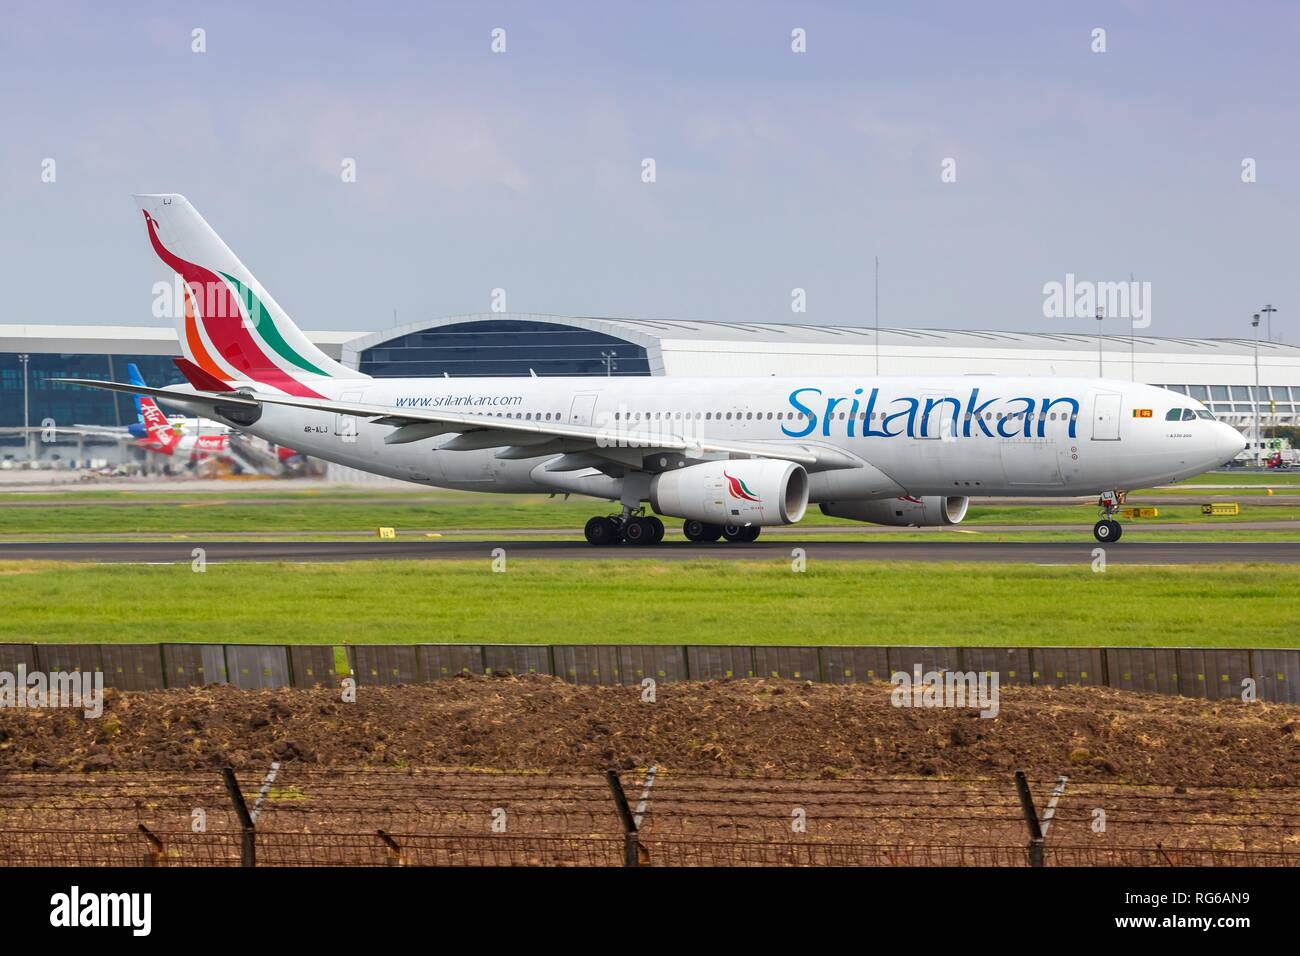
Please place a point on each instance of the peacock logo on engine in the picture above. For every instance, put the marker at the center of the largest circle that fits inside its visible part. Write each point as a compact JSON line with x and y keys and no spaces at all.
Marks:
{"x":738,"y":489}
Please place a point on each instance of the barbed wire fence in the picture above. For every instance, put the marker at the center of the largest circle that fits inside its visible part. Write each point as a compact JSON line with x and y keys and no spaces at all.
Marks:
{"x":299,"y":816}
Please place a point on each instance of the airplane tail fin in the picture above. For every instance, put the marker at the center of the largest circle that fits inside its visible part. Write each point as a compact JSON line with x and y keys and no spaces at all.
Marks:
{"x":228,"y":325}
{"x":158,"y":430}
{"x":135,"y":378}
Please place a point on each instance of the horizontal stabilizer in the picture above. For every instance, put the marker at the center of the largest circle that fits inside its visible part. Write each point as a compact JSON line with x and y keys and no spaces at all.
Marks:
{"x":165,"y":394}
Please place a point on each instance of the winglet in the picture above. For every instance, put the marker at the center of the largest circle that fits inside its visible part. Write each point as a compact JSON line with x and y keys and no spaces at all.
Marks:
{"x":199,"y":378}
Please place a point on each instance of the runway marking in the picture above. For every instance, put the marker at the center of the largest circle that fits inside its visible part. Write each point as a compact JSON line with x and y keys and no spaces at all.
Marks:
{"x":1042,"y":554}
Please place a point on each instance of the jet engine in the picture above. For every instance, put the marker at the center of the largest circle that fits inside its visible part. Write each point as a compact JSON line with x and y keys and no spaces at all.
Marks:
{"x":903,"y":512}
{"x":753,"y":491}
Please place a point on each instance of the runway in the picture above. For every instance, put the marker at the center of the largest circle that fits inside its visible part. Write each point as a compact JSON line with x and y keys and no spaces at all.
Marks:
{"x":215,"y":552}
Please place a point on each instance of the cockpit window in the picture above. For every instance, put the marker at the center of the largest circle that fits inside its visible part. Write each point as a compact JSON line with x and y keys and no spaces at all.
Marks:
{"x":1174,"y":415}
{"x":1202,"y":413}
{"x":1189,"y":415}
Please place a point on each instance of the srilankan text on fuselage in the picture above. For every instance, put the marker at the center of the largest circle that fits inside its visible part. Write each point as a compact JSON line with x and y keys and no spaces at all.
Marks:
{"x":870,"y":416}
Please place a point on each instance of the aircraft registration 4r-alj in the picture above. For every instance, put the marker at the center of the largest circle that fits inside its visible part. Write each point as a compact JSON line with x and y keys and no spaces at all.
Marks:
{"x":726,"y":455}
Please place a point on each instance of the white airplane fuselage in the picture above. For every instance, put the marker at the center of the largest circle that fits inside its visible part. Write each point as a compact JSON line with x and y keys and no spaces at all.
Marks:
{"x":965,"y":435}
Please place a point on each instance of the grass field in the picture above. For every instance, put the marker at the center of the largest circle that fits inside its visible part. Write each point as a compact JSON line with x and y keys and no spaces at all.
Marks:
{"x":641,"y":601}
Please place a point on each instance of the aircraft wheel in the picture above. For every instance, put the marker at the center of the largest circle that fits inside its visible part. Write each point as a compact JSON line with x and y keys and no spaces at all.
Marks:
{"x":740,"y":533}
{"x":639,"y":531}
{"x":1107,"y":530}
{"x":701,"y":532}
{"x":601,"y":531}
{"x":658,"y":528}
{"x":751,"y":533}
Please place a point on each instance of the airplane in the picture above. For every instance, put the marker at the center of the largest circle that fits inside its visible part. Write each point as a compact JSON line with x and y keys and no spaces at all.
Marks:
{"x":181,"y":424}
{"x":167,"y":438}
{"x":727,"y":456}
{"x":138,"y":432}
{"x":194,"y":440}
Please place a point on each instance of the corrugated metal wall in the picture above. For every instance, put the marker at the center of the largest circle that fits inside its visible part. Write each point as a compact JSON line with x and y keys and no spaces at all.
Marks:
{"x":1208,"y":673}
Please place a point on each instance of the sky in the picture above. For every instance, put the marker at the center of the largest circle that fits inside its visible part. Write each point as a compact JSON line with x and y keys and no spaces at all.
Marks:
{"x":774,"y":170}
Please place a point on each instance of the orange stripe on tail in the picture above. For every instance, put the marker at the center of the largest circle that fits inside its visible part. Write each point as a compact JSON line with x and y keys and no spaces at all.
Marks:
{"x":195,"y":344}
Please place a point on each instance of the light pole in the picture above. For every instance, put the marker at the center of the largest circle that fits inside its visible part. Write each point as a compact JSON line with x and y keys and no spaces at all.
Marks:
{"x":611,"y":362}
{"x":1101,"y":314}
{"x":1255,"y":324}
{"x":1269,"y":310}
{"x":27,"y":437}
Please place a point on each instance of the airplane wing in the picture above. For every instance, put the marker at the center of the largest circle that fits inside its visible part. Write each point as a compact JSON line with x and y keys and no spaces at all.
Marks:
{"x":517,"y":437}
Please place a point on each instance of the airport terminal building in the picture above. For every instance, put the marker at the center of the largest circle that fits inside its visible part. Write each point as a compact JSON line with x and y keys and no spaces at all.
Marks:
{"x":1219,"y":372}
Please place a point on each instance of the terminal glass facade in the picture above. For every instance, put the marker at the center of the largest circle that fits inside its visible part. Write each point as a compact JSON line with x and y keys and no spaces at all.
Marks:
{"x":503,"y":347}
{"x":70,"y":404}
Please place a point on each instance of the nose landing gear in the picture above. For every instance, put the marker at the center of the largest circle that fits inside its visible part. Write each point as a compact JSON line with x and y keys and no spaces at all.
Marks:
{"x":1108,"y":529}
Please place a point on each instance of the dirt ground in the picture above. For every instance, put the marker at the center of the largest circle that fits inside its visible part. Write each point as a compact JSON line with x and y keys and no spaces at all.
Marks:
{"x":739,"y":727}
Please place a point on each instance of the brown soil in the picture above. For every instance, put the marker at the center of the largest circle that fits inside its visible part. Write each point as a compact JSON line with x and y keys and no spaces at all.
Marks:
{"x":738,"y":727}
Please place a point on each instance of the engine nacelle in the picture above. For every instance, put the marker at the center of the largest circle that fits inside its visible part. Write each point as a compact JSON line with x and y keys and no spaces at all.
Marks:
{"x":902,"y":512}
{"x":757,"y":491}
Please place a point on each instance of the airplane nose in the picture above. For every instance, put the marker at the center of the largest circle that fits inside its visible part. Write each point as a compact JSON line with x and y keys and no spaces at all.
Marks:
{"x":1229,"y":443}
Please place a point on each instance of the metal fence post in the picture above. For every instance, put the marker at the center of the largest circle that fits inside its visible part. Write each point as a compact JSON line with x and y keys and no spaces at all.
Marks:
{"x":248,"y":841}
{"x":157,"y":851}
{"x":393,"y":852}
{"x":633,"y":852}
{"x":1031,"y":820}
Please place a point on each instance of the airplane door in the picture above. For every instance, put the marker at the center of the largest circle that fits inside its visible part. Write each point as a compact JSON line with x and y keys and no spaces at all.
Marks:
{"x":939,"y":423}
{"x":931,"y":426}
{"x":1105,"y":416}
{"x":345,"y":426}
{"x":583,"y":411}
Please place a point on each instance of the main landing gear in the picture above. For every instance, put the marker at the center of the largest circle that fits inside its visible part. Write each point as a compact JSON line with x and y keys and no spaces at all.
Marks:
{"x":635,"y":528}
{"x":1108,"y":529}
{"x":632,"y":528}
{"x":700,"y":532}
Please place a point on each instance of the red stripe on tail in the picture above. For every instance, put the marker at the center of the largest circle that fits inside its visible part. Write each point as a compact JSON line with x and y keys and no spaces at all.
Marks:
{"x":226,"y":328}
{"x":199,"y":378}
